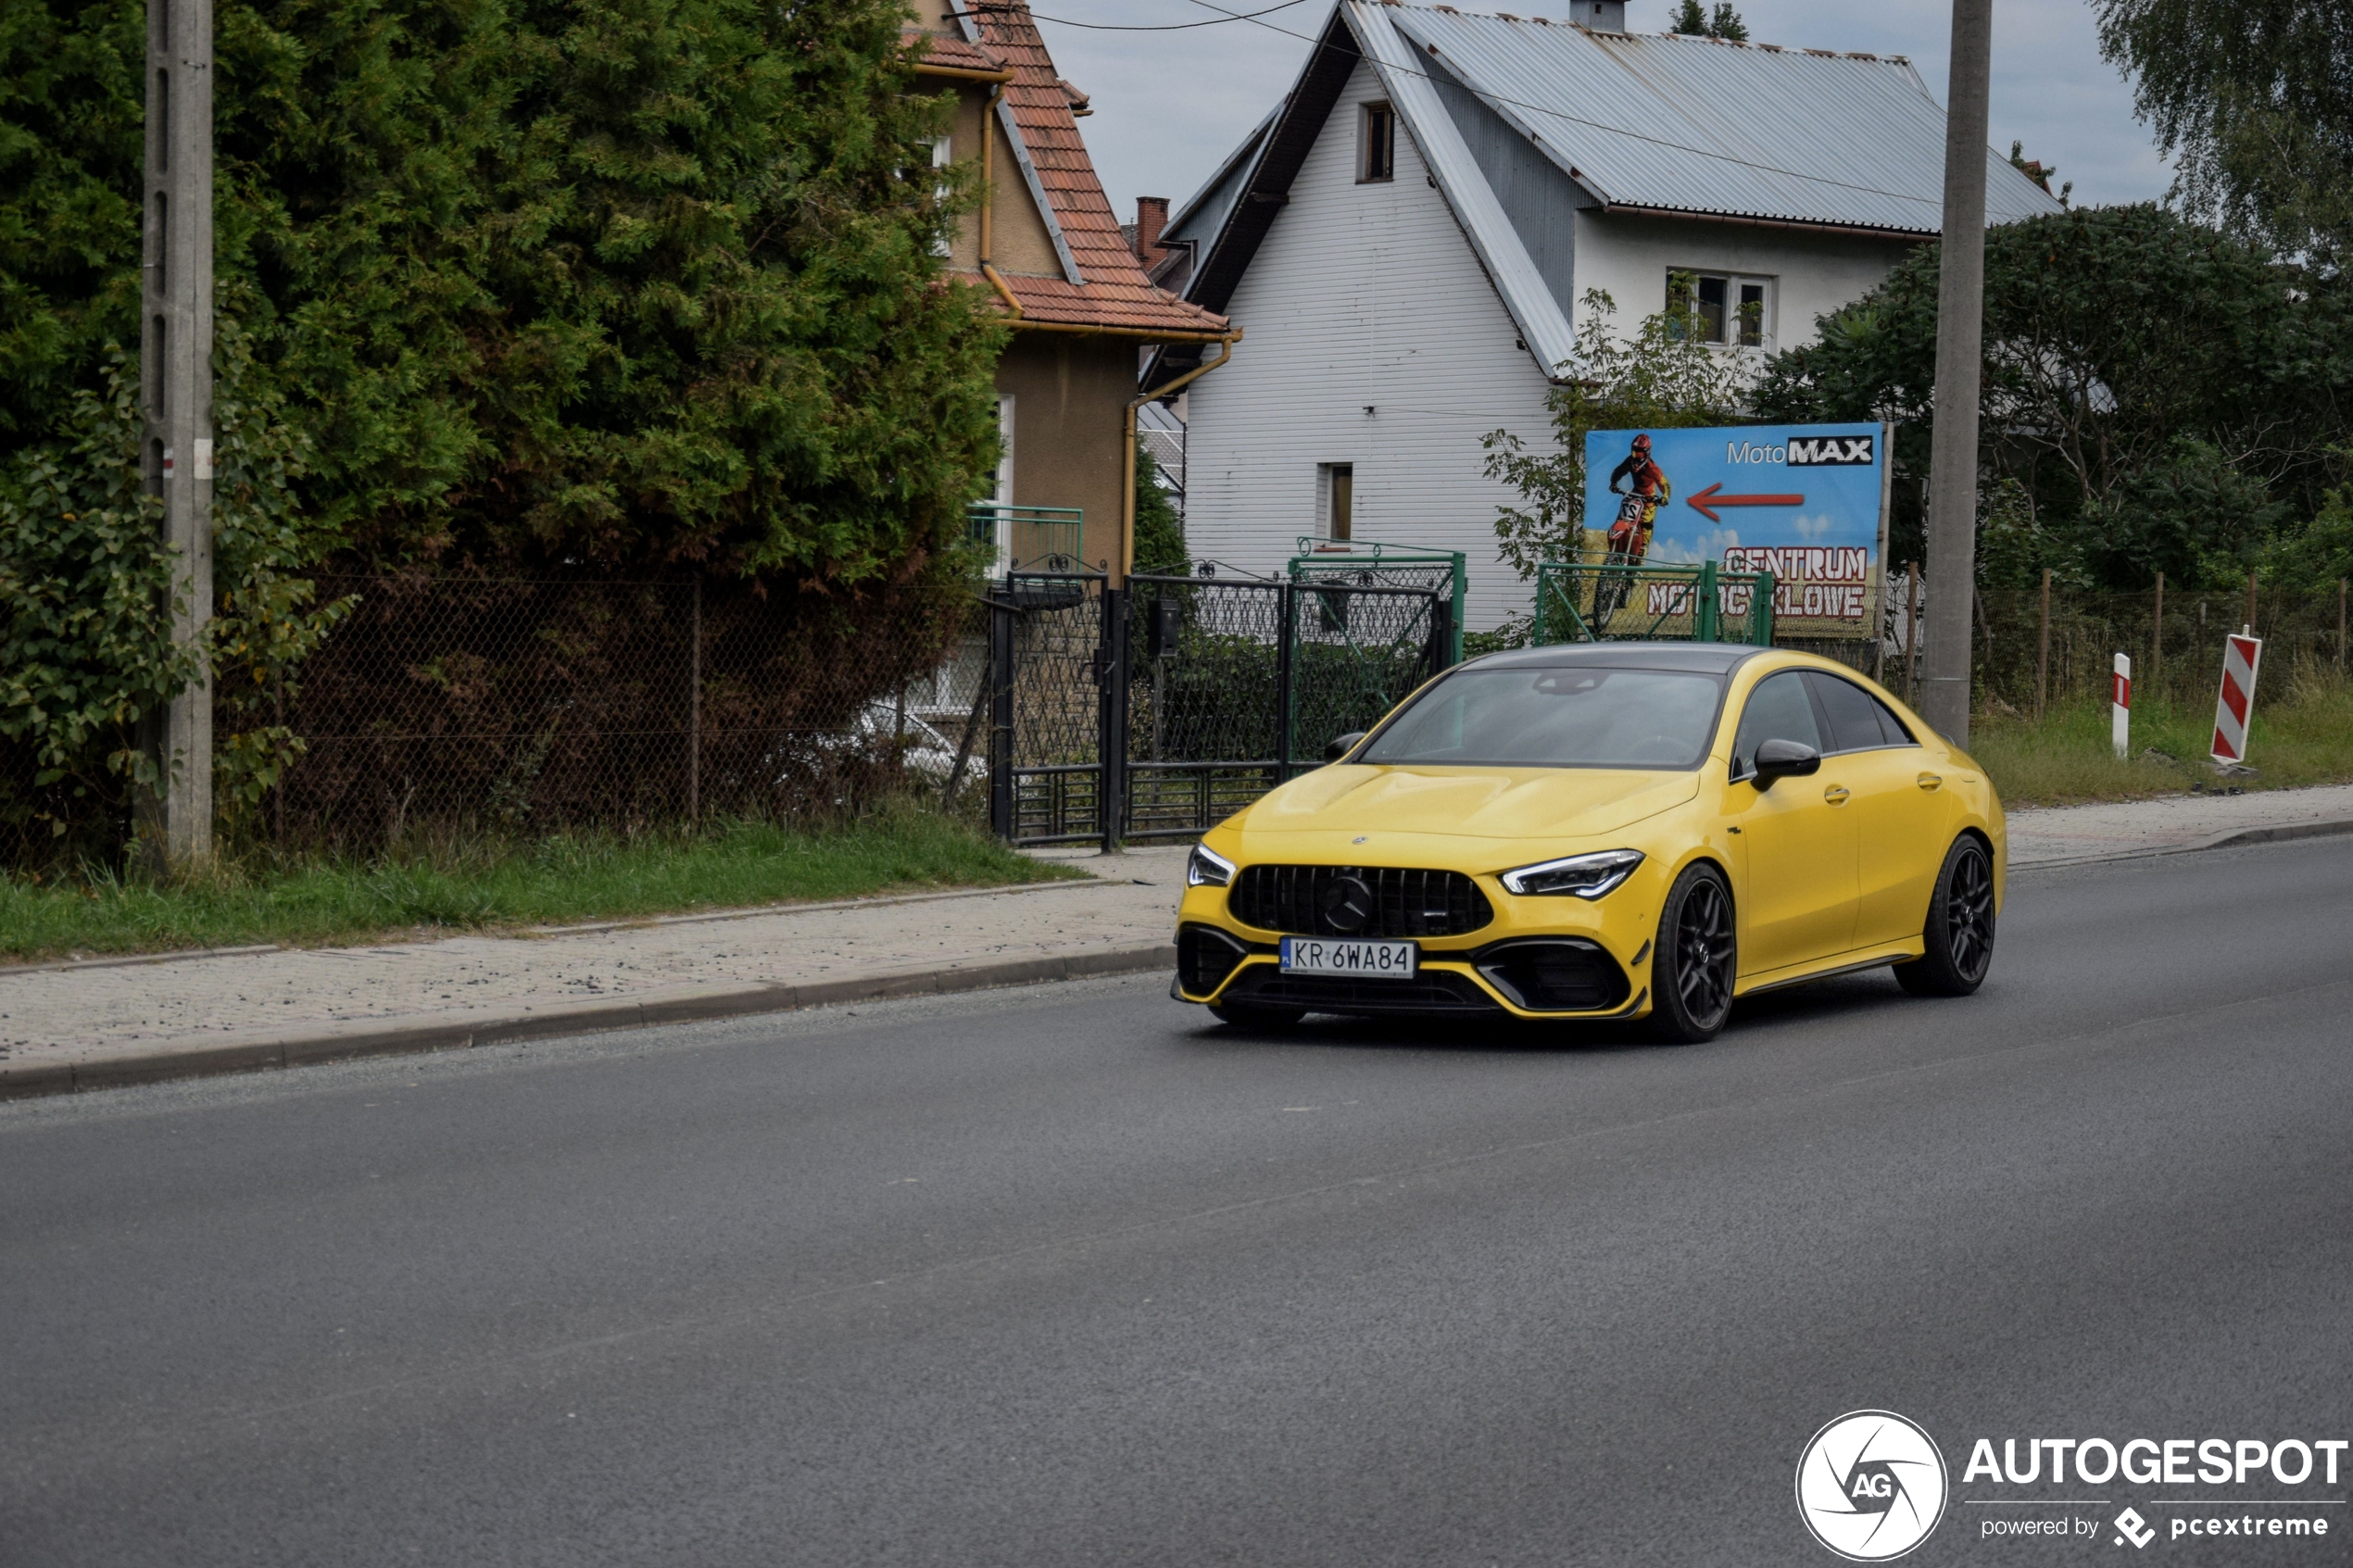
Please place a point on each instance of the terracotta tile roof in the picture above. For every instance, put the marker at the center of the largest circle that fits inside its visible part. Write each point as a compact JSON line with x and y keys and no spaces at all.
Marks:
{"x":954,"y":53}
{"x":1115,"y":294}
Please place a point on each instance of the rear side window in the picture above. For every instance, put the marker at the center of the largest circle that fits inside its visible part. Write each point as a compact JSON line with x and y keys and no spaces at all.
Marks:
{"x":1777,"y":709}
{"x":1859,"y":721}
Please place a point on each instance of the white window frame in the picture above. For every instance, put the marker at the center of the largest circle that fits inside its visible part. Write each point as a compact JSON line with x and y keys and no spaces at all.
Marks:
{"x":942,"y":153}
{"x":1326,"y":476}
{"x":1004,"y":491}
{"x":1367,"y":115}
{"x":1733,"y":282}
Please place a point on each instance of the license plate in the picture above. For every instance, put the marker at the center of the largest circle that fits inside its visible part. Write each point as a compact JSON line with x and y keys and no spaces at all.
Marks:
{"x":1318,"y":955}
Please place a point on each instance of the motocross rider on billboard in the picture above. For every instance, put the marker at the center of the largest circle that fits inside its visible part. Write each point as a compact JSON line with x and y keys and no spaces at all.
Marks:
{"x":1646,"y":489}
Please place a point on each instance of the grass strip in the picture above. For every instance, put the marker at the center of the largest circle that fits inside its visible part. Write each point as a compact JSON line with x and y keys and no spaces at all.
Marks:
{"x":2303,"y":737}
{"x":428,"y":889}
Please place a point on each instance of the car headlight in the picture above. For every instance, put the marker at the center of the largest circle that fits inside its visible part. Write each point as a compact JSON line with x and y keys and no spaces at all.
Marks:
{"x":1207,"y":868}
{"x":1588,"y":876}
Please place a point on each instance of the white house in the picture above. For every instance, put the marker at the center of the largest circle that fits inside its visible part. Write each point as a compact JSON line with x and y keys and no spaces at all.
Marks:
{"x":1407,"y":238}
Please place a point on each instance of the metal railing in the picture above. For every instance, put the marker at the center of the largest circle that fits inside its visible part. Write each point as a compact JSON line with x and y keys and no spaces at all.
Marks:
{"x":1580,"y":603}
{"x":1374,"y":564}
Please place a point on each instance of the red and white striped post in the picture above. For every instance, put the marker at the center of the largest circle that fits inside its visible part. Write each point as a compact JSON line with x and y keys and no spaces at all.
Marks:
{"x":2119,"y":708}
{"x":2241,"y":655}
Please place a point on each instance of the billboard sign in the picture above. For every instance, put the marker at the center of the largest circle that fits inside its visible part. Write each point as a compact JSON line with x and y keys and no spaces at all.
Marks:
{"x":1807,"y":503}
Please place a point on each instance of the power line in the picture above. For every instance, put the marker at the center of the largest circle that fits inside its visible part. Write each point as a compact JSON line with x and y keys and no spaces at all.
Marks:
{"x":1122,"y":27}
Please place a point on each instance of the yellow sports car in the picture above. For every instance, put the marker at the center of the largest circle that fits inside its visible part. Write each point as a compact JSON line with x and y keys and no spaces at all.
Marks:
{"x":1603,"y":831}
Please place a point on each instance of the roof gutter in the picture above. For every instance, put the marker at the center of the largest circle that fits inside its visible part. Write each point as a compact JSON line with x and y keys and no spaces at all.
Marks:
{"x":961,"y":73}
{"x":1127,"y":448}
{"x":1863,"y":230}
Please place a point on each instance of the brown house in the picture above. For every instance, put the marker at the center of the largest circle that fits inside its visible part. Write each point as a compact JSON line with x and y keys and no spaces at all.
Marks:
{"x":1047,"y":242}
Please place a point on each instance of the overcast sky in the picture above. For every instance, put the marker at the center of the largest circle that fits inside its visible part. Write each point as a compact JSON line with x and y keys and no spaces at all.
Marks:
{"x":1169,"y":105}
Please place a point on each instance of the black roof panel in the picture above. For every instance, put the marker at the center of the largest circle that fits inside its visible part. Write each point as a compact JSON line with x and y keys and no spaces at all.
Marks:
{"x":1709,"y":658}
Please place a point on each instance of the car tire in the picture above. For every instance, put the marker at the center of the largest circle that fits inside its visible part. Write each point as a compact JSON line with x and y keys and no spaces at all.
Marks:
{"x":1959,"y":933}
{"x":1693,"y":958}
{"x":1249,"y":1015}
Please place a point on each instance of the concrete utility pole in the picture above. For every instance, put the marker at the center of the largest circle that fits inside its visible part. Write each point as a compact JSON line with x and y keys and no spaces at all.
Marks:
{"x":175,"y":394}
{"x":1960,"y":340}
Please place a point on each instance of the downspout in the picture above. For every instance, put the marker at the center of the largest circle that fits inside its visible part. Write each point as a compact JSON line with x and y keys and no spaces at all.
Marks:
{"x":1127,"y":450}
{"x":989,"y":202}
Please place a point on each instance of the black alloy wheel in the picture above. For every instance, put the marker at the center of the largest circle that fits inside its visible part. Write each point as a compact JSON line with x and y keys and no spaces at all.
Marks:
{"x":1959,"y":933}
{"x":1692,"y":965}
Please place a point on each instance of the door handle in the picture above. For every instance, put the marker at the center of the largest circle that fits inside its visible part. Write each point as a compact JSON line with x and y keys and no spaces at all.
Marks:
{"x":1932,"y":783}
{"x":1836,"y":794}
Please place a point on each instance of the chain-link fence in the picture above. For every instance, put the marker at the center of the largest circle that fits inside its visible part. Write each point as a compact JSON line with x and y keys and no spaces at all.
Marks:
{"x":528,"y":706}
{"x":2027,"y":652}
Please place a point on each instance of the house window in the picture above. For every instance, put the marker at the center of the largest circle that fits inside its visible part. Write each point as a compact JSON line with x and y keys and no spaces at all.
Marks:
{"x":1337,"y":500}
{"x":940,"y":150}
{"x":1378,"y":157}
{"x":1721,"y":308}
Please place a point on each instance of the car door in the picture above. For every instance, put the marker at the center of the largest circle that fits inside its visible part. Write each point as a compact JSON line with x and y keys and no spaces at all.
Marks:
{"x":1902,"y":811}
{"x":1796,"y":900}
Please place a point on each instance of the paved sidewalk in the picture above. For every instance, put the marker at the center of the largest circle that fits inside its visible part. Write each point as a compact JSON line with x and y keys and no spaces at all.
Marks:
{"x":2068,"y":834}
{"x":113,"y":1022}
{"x":91,"y":1025}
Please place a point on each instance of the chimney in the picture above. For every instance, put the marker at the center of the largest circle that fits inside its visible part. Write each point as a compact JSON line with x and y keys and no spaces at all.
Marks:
{"x":1602,"y":15}
{"x":1151,"y":216}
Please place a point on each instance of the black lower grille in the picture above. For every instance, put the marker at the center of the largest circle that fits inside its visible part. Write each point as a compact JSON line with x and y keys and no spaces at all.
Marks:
{"x":1403,"y":903}
{"x":1432,"y":993}
{"x":1204,"y":956}
{"x":1562,"y":975}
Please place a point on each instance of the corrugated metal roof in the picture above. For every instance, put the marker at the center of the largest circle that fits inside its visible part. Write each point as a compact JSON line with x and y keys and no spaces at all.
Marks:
{"x":1700,"y":125}
{"x":1544,"y":326}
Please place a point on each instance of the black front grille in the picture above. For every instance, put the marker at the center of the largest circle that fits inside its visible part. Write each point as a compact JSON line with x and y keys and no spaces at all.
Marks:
{"x":1405,"y":903}
{"x":1432,"y":993}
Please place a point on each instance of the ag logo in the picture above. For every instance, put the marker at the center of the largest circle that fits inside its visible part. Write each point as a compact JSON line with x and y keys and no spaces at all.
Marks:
{"x":1871,"y":1486}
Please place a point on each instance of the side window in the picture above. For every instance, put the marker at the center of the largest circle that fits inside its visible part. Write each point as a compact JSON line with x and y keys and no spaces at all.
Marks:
{"x":1859,"y":721}
{"x":1777,"y":709}
{"x":1377,"y":158}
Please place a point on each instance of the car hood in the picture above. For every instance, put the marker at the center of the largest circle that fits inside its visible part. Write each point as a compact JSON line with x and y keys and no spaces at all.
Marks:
{"x":1347,"y":802}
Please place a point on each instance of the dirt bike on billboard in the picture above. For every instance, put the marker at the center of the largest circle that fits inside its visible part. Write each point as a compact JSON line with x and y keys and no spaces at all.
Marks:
{"x":1629,"y":536}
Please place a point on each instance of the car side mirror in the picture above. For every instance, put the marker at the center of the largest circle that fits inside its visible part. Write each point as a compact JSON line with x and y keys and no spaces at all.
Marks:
{"x":1340,"y":746}
{"x":1784,"y":759}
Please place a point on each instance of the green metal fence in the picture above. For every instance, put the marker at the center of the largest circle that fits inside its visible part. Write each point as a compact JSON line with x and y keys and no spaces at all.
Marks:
{"x":1373,"y":565}
{"x":1580,"y":603}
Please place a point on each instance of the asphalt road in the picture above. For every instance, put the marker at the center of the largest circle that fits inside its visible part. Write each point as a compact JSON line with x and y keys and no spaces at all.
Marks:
{"x":1075,"y":1277}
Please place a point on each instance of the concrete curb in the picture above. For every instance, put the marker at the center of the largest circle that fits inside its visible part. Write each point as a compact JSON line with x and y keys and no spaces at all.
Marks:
{"x":262,"y":1053}
{"x":2227,"y":839}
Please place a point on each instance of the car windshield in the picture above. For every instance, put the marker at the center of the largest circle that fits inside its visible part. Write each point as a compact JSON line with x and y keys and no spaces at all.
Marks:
{"x":1574,"y":716}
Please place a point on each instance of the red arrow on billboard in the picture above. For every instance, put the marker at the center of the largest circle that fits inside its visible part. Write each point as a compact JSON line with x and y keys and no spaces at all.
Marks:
{"x":1707,"y":500}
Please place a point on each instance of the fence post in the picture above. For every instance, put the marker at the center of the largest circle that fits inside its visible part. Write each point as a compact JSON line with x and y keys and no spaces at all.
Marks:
{"x":2043,"y":653}
{"x":2157,"y":636}
{"x":1286,"y":617}
{"x":694,"y":715}
{"x":1000,"y":719}
{"x":1110,"y":749}
{"x":1703,"y":613}
{"x":1912,"y":634}
{"x":2250,"y":604}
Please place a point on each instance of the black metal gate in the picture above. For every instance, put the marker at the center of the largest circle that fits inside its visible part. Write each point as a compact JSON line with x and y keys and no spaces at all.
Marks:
{"x":1210,"y":691}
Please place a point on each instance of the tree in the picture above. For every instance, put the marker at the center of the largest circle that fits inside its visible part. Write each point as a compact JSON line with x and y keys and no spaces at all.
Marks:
{"x":2253,"y":101}
{"x":1662,"y":377}
{"x":2168,"y":397}
{"x":580,"y":286}
{"x":1159,"y":527}
{"x":619,"y":283}
{"x":1726,"y":23}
